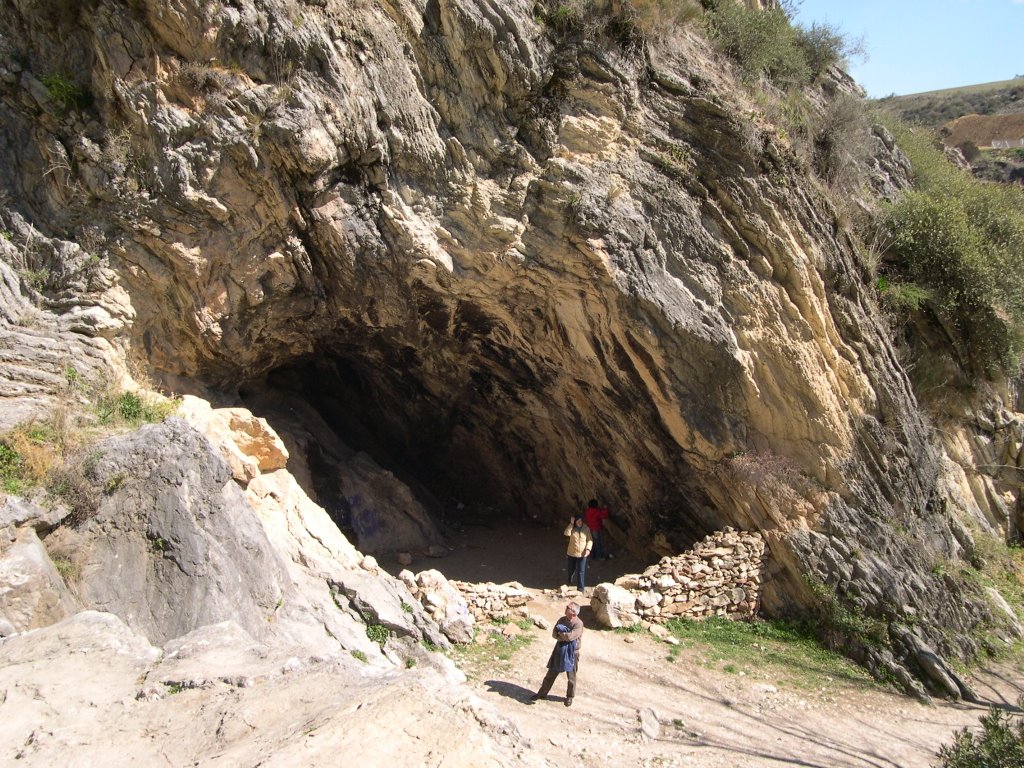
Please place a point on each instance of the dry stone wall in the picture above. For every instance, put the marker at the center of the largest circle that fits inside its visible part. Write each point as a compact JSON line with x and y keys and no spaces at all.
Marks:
{"x":721,"y":576}
{"x":489,"y":601}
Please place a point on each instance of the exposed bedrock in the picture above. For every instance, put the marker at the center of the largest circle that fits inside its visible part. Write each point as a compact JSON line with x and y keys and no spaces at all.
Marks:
{"x":513,"y":271}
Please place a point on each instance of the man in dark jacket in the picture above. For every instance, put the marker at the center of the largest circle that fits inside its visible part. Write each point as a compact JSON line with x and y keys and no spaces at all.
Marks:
{"x":565,"y":656}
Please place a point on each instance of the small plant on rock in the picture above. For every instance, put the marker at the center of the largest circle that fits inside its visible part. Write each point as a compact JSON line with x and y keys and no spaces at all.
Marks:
{"x":65,"y":93}
{"x":10,"y":469}
{"x":378,"y":633}
{"x":133,"y":408}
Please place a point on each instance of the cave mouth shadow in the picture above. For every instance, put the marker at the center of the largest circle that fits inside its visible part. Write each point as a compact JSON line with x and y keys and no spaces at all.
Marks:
{"x":338,"y":407}
{"x":523,"y":551}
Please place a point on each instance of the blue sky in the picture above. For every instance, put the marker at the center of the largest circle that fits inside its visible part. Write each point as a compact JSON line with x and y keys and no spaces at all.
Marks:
{"x":925,"y":45}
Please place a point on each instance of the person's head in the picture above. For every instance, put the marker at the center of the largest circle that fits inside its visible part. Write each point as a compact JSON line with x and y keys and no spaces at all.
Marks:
{"x":572,"y":610}
{"x":577,"y":521}
{"x":592,"y":503}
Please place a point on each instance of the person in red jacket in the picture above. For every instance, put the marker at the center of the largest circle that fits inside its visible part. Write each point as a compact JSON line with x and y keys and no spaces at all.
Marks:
{"x":595,"y":517}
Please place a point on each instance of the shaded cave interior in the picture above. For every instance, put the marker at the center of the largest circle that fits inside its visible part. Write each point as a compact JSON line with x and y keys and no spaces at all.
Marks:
{"x":473,"y":450}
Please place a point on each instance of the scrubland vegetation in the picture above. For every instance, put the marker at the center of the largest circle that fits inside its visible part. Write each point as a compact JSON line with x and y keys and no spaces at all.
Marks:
{"x":53,"y":458}
{"x":952,"y":258}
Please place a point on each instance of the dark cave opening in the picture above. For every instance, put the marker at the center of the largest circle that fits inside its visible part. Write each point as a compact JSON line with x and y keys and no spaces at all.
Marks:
{"x":473,"y":446}
{"x":380,"y":409}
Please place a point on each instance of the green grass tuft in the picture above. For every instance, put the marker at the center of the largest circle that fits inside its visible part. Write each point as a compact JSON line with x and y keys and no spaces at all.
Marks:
{"x":378,"y":633}
{"x":786,"y":651}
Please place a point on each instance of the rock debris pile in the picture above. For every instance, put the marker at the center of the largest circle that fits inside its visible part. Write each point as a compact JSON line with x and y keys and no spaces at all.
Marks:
{"x":457,"y":605}
{"x":721,"y":576}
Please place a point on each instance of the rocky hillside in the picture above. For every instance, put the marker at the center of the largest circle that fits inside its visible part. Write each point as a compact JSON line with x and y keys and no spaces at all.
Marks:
{"x":462,"y":257}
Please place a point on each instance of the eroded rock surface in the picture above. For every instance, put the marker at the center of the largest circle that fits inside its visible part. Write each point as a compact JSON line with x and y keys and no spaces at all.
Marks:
{"x":101,"y":693}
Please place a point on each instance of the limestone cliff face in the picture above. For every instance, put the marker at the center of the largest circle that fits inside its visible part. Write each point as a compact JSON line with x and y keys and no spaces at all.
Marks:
{"x":516,"y":268}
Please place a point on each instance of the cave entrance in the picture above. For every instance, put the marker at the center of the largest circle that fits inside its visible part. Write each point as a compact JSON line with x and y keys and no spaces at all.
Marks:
{"x":467,"y":471}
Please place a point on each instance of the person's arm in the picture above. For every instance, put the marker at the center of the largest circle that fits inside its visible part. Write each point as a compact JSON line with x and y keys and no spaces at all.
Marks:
{"x":574,"y":633}
{"x":568,"y":529}
{"x":560,"y":629}
{"x":590,"y":542}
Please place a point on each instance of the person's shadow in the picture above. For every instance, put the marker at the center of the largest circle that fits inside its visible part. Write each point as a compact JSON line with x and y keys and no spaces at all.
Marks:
{"x":510,"y":690}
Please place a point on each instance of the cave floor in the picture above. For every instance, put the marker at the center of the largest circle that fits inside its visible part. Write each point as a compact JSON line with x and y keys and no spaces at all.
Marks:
{"x":507,"y":550}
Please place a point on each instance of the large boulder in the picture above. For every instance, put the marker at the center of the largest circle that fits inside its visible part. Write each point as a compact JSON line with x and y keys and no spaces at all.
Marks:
{"x":176,"y":544}
{"x":246,"y":442}
{"x":32,"y":592}
{"x":614,"y":606}
{"x":446,"y":605}
{"x":173,"y":545}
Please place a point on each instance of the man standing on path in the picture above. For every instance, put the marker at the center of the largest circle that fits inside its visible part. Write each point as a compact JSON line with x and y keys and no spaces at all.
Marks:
{"x":565,"y":656}
{"x":580,"y":544}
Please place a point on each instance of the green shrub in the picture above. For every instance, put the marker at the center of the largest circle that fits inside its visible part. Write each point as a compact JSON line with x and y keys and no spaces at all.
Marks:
{"x":629,"y":22}
{"x":840,"y":621}
{"x":902,"y":295}
{"x":66,"y":568}
{"x":960,"y":240}
{"x":129,"y":406}
{"x":759,"y":42}
{"x":824,"y":45}
{"x":10,"y":469}
{"x":655,"y":19}
{"x":999,"y":745}
{"x":767,"y":43}
{"x":134,"y":408}
{"x":29,"y":452}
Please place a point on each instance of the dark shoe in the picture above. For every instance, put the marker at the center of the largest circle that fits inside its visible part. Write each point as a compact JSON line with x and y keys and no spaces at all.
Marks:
{"x":536,"y":697}
{"x":568,"y":702}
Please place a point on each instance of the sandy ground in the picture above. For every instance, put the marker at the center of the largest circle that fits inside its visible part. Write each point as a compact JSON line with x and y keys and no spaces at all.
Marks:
{"x":635,"y":708}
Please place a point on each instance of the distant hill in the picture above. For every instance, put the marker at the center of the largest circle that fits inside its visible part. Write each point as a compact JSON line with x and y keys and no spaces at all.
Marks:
{"x":984,"y":121}
{"x":936,"y":108}
{"x":983,"y":131}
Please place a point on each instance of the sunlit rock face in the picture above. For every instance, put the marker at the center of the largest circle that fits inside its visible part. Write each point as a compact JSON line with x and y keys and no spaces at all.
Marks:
{"x":515,"y":269}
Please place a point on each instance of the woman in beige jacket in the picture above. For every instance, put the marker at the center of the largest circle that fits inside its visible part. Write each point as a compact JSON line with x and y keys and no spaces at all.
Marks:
{"x":580,"y":544}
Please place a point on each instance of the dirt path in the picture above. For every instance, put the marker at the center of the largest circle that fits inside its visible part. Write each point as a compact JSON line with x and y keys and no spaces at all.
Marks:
{"x":635,"y":708}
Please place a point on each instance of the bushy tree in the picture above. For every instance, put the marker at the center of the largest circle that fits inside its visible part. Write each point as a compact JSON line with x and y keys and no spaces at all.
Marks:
{"x":767,"y":42}
{"x":1000,"y":744}
{"x":961,"y":239}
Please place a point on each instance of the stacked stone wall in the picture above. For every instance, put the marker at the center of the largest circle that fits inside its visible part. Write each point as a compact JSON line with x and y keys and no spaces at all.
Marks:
{"x":720,"y":576}
{"x":491,"y":601}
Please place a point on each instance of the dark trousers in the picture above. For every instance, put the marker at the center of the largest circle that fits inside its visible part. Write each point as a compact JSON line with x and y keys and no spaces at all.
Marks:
{"x":577,"y":567}
{"x":549,"y":680}
{"x":598,"y":552}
